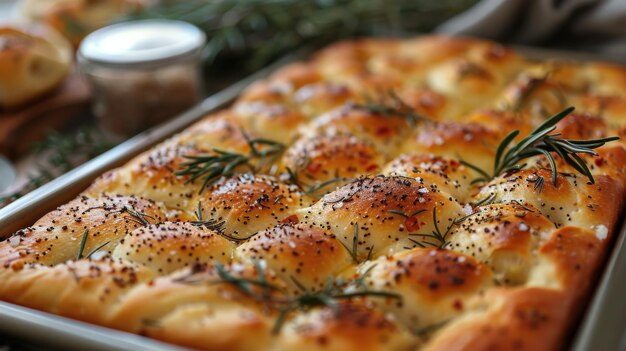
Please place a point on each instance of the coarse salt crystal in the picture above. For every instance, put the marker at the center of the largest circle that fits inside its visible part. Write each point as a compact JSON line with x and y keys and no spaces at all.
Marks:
{"x":602,"y":232}
{"x":292,"y":245}
{"x":523,"y":226}
{"x":422,"y":190}
{"x":467,"y":209}
{"x":98,"y":255}
{"x":14,"y":240}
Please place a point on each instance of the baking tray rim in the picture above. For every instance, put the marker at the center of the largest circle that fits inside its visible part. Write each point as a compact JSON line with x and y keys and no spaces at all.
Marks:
{"x":77,"y":334}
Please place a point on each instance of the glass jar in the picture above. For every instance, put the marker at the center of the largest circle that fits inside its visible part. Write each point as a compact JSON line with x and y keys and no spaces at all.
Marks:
{"x":142,"y":73}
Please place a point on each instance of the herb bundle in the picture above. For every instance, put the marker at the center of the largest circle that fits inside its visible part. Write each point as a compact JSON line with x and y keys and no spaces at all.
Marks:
{"x":541,"y":142}
{"x":391,"y":105}
{"x":209,"y":168}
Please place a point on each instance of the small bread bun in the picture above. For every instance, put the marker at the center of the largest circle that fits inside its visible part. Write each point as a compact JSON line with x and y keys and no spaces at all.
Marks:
{"x":33,"y":60}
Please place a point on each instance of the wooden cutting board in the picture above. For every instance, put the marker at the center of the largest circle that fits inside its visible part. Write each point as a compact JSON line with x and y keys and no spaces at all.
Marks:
{"x":19,"y":129}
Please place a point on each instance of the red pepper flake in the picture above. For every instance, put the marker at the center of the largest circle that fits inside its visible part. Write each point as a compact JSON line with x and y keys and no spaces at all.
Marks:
{"x":313,"y":168}
{"x":293,"y":219}
{"x":457,"y":305}
{"x":371,"y":167}
{"x":411,"y":224}
{"x":383,"y":130}
{"x":599,"y":161}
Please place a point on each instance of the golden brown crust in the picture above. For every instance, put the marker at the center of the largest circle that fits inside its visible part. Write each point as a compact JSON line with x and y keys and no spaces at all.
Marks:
{"x":248,"y":203}
{"x":57,"y":236}
{"x":382,"y":212}
{"x":367,"y":230}
{"x":170,"y":246}
{"x":353,"y":327}
{"x":302,"y":252}
{"x":434,"y":284}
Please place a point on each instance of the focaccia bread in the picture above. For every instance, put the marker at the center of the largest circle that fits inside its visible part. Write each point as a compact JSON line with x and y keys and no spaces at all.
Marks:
{"x":349,"y":203}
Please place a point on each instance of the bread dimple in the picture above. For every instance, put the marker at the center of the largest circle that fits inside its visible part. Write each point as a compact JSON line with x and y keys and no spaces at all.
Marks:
{"x":508,"y":319}
{"x":434,"y":284}
{"x":573,"y":201}
{"x":220,"y":131}
{"x":170,"y":246}
{"x":385,"y":214}
{"x":272,"y":121}
{"x":447,"y":174}
{"x":387,"y":131}
{"x":503,"y":236}
{"x":153,"y":175}
{"x":305,"y":253}
{"x":248,"y":203}
{"x":322,"y":158}
{"x":470,"y":142}
{"x":352,"y":327}
{"x":198,"y":285}
{"x":57,"y":236}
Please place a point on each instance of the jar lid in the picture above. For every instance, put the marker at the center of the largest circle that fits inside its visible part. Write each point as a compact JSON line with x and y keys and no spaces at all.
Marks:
{"x":141,"y":42}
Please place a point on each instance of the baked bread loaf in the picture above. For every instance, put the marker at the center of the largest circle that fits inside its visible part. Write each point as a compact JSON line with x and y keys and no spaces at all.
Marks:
{"x":33,"y":60}
{"x":349,"y":203}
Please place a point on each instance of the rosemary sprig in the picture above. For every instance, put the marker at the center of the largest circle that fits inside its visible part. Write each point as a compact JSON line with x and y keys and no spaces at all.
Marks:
{"x":210,"y":223}
{"x":329,"y":296}
{"x":488,"y":200}
{"x":97,"y":249}
{"x":538,"y":187}
{"x":403,"y":214}
{"x":354,"y":250}
{"x":541,"y":142}
{"x":138,"y":217}
{"x":245,"y":285}
{"x":315,"y":187}
{"x":390,"y":106}
{"x":440,"y":238}
{"x":209,"y":168}
{"x":81,"y":248}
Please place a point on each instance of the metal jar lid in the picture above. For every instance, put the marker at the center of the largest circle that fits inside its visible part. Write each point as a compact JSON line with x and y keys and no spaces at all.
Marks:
{"x":141,"y":43}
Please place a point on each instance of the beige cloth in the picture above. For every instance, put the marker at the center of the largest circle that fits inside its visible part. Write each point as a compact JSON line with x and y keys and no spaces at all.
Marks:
{"x":597,"y":26}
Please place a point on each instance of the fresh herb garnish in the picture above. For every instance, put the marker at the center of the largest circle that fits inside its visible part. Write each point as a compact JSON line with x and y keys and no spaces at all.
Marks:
{"x":541,"y":142}
{"x":403,"y":214}
{"x":486,"y":201}
{"x":81,"y":248}
{"x":210,"y":168}
{"x":329,"y":296}
{"x":441,"y":239}
{"x":97,"y":249}
{"x":211,"y":223}
{"x":353,"y":251}
{"x":391,"y":105}
{"x":539,"y":180}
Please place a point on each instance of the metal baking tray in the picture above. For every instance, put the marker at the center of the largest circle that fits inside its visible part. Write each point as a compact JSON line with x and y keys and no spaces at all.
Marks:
{"x":603,"y":326}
